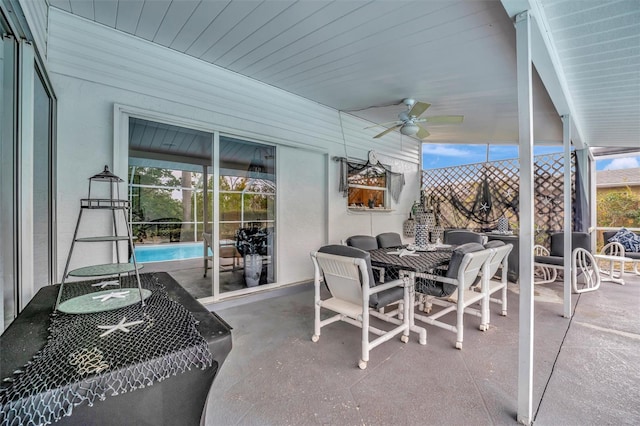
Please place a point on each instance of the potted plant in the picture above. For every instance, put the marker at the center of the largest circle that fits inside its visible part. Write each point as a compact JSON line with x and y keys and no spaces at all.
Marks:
{"x":251,"y":243}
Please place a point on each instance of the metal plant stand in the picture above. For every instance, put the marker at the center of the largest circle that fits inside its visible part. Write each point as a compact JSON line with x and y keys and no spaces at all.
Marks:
{"x":112,"y":298}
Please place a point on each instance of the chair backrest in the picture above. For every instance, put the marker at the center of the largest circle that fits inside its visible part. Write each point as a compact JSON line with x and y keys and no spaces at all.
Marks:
{"x":345,"y":267}
{"x":466,"y":262}
{"x":457,"y":237}
{"x":578,"y":240}
{"x":207,"y":239}
{"x":500,"y":258}
{"x":458,"y":258}
{"x":606,"y":235}
{"x":613,"y":249}
{"x":389,"y":239}
{"x":363,"y":242}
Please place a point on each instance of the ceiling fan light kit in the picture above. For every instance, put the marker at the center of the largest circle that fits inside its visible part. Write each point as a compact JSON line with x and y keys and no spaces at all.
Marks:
{"x":409,"y":129}
{"x":407,"y":120}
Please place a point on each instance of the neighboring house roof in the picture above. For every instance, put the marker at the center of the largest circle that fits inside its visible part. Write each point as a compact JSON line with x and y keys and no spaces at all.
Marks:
{"x":615,"y":178}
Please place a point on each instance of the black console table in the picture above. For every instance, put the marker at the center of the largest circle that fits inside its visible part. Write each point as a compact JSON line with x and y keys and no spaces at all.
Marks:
{"x":170,"y":399}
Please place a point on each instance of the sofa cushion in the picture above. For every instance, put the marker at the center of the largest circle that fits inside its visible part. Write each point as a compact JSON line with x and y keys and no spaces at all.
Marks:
{"x":629,"y":240}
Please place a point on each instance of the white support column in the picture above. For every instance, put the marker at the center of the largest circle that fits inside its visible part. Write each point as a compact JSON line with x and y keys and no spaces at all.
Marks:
{"x":593,"y":214}
{"x":525,"y":126}
{"x":566,"y":141}
{"x":215,"y":214}
{"x":25,"y":174}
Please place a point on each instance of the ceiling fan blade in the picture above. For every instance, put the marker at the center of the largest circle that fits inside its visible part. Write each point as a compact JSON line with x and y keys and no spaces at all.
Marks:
{"x":390,"y":129}
{"x":422,"y":133}
{"x":396,"y":122}
{"x":443,"y":119}
{"x":418,"y":108}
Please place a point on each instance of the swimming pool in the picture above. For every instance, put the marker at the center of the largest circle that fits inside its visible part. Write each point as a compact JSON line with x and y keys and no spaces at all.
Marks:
{"x":164,"y":252}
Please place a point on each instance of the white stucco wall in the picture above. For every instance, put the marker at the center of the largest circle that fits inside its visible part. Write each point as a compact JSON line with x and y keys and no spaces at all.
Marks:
{"x":93,"y":67}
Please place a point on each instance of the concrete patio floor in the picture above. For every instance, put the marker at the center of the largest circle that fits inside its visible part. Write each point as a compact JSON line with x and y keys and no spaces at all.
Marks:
{"x":586,"y":369}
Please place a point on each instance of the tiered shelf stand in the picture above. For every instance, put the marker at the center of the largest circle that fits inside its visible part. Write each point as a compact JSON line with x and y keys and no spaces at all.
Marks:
{"x":113,"y":297}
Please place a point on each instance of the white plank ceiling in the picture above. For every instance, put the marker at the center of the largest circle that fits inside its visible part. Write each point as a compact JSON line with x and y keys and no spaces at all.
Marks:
{"x":353,"y":55}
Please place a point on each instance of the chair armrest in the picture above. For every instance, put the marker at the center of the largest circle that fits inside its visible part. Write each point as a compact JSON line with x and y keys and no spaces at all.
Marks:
{"x":386,"y":286}
{"x":440,"y":278}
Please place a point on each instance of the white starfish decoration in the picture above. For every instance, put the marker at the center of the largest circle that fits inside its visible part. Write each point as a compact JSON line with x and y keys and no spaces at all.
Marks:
{"x":484,"y":206}
{"x":112,"y":295}
{"x":103,"y":284}
{"x":508,"y":193}
{"x":404,"y":252}
{"x":538,"y":228}
{"x":546,"y":201}
{"x":122,"y":326}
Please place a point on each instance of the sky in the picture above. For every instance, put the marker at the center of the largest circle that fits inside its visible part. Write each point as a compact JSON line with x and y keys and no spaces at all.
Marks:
{"x":437,"y":156}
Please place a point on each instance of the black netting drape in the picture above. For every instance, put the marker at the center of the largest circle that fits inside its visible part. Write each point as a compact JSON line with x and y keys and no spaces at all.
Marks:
{"x":489,"y":203}
{"x":394,"y":181}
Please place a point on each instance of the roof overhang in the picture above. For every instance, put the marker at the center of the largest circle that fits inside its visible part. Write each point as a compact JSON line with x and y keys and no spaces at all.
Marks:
{"x":546,"y":61}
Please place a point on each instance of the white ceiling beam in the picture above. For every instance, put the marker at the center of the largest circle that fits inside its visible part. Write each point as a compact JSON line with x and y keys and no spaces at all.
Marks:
{"x":547,"y":62}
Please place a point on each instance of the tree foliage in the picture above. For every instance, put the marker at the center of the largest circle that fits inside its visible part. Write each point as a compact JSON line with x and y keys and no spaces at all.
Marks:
{"x":153,"y":203}
{"x":620,"y":208}
{"x":149,"y":204}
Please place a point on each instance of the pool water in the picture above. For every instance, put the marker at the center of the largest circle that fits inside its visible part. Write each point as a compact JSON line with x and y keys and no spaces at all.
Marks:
{"x":164,"y":252}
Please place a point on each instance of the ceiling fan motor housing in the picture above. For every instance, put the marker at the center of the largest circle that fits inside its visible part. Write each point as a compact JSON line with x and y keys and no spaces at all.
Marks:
{"x":409,"y":102}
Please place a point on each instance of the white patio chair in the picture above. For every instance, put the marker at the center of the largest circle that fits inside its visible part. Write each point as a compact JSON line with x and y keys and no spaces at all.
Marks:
{"x":635,"y":256}
{"x":355,"y":295}
{"x":500,"y":260}
{"x":580,"y":243}
{"x":467,"y":261}
{"x":543,"y":274}
{"x":612,"y":249}
{"x":584,"y":270}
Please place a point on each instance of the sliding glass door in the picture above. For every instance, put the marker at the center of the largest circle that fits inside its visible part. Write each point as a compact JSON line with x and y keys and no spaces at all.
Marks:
{"x":203,"y":207}
{"x":246,"y":214}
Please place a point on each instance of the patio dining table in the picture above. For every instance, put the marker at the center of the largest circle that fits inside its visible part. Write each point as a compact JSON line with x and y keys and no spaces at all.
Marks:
{"x":410,"y":265}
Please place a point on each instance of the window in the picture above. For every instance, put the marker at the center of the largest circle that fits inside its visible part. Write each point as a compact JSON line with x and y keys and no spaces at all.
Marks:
{"x":367,"y":186}
{"x":166,"y":205}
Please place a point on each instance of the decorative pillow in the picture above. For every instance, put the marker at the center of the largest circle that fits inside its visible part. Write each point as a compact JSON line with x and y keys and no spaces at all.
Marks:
{"x":629,"y":240}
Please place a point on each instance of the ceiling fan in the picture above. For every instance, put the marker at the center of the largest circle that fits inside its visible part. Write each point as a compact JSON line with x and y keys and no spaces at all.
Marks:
{"x":408,"y":120}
